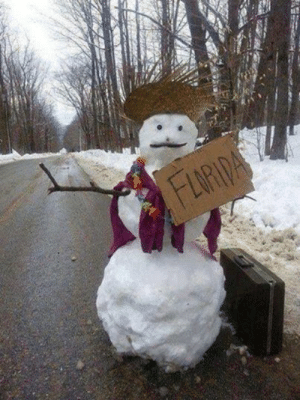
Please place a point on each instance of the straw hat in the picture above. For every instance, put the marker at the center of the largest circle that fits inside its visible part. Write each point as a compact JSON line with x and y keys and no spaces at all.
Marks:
{"x":167,"y":96}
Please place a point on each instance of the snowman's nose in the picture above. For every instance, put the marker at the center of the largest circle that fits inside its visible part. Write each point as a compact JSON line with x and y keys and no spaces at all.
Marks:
{"x":167,"y":139}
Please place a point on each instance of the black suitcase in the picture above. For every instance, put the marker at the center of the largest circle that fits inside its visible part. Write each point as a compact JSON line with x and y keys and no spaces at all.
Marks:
{"x":254,"y":302}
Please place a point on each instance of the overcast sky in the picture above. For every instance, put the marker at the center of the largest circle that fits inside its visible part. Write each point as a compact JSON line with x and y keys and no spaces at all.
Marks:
{"x":26,"y":15}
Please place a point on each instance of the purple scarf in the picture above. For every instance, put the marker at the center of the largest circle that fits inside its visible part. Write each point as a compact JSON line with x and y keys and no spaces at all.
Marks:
{"x":151,"y":231}
{"x":213,"y":229}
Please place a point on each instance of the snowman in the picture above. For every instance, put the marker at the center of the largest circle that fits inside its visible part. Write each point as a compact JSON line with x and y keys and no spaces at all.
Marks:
{"x":161,"y":295}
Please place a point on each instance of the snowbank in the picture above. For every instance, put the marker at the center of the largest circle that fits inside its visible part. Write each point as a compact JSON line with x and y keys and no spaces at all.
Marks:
{"x":121,"y":162}
{"x":6,"y":158}
{"x":277,"y":185}
{"x":15,"y":156}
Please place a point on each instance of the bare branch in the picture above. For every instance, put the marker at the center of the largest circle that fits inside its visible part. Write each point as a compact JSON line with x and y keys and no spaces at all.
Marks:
{"x":56,"y":185}
{"x":160,"y":25}
{"x":216,"y":13}
{"x":255,"y":18}
{"x":92,"y":188}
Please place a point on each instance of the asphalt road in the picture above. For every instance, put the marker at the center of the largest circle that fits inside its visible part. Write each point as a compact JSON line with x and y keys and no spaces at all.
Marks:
{"x":52,"y":346}
{"x":47,"y":298}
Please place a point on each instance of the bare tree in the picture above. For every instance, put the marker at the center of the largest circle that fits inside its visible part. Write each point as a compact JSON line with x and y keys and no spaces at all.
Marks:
{"x":26,"y":118}
{"x":87,"y":10}
{"x":27,"y":111}
{"x":74,"y":87}
{"x":138,"y":41}
{"x":27,"y":79}
{"x":198,"y":38}
{"x":5,"y":139}
{"x":73,"y":139}
{"x":283,"y":14}
{"x":167,"y":42}
{"x":221,"y":119}
{"x":294,"y":109}
{"x":238,"y":45}
{"x":46,"y":128}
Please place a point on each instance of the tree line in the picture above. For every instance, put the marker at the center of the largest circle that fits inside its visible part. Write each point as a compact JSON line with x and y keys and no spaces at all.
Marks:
{"x":27,"y":123}
{"x":246,"y":52}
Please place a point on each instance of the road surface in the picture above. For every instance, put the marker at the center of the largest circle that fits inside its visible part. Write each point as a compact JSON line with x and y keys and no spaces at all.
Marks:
{"x":52,"y":346}
{"x":53,"y":250}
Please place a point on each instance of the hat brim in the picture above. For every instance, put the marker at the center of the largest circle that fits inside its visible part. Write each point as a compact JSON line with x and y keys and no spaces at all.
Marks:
{"x":167,"y":97}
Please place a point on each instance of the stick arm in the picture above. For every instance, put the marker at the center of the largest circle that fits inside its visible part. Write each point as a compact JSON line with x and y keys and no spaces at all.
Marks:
{"x":93,"y":188}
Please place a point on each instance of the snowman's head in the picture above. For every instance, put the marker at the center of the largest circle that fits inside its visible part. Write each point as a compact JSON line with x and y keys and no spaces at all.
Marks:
{"x":165,"y":137}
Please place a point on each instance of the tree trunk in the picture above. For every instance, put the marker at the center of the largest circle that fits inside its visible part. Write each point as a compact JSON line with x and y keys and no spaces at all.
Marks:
{"x":95,"y":137}
{"x":4,"y":132}
{"x":232,"y":62}
{"x":198,"y":35}
{"x":138,"y":41}
{"x":29,"y":122}
{"x":271,"y":100}
{"x":112,"y":83}
{"x":166,"y":51}
{"x":283,"y":11}
{"x":247,"y":48}
{"x":295,"y":81}
{"x":255,"y":114}
{"x":125,"y":66}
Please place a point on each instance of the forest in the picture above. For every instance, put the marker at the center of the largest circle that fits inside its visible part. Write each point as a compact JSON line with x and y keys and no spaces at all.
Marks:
{"x":27,"y":122}
{"x":245,"y":53}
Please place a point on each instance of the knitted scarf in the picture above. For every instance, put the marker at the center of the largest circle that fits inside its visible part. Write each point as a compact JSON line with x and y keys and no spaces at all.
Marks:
{"x":151,"y":230}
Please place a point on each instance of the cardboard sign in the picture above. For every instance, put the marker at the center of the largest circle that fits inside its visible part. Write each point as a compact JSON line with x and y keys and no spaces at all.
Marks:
{"x":209,"y":177}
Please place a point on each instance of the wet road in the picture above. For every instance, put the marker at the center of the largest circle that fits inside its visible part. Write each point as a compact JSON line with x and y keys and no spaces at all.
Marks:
{"x":52,"y":346}
{"x":47,"y":298}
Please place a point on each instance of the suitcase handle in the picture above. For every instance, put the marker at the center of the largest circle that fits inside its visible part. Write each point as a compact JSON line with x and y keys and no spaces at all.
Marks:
{"x":243,"y":262}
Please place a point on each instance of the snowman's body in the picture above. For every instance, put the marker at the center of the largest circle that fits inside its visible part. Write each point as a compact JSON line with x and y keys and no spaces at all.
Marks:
{"x":162,"y":305}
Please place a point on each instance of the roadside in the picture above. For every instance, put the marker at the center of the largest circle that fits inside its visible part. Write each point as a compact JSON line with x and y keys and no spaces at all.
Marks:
{"x":235,"y":374}
{"x":278,"y":250}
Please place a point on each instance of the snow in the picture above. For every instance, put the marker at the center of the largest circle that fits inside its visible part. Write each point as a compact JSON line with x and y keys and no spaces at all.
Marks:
{"x":163,"y":306}
{"x":277,"y":186}
{"x":119,"y":161}
{"x":15,"y":156}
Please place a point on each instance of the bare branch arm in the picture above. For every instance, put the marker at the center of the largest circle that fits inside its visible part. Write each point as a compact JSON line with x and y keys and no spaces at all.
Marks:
{"x":56,"y":185}
{"x":93,"y":188}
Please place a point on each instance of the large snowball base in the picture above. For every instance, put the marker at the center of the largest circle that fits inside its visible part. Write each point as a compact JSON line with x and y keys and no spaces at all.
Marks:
{"x":164,"y":306}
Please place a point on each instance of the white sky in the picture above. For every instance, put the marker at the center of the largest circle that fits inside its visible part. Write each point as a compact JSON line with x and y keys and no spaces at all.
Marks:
{"x":26,"y":16}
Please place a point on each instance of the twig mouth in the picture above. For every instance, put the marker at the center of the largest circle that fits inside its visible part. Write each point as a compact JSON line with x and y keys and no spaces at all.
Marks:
{"x":172,"y":145}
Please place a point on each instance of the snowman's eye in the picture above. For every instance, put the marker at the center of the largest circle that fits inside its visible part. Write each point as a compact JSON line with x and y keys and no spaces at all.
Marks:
{"x":180,"y":127}
{"x":159,"y":127}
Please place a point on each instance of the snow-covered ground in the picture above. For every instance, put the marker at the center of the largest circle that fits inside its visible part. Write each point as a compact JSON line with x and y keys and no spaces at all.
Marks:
{"x":268,"y":228}
{"x":277,"y":185}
